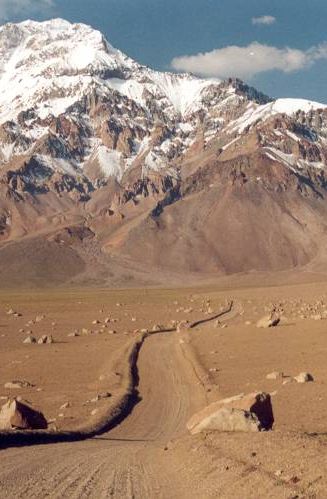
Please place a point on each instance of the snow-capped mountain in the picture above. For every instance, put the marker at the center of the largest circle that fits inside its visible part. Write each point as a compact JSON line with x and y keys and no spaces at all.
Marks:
{"x":87,"y":132}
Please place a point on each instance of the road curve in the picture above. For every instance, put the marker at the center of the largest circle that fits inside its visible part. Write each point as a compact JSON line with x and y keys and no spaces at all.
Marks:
{"x":129,"y":461}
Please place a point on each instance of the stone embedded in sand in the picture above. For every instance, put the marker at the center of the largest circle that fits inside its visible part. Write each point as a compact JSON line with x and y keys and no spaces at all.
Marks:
{"x":29,"y":340}
{"x":275,"y":375}
{"x":64,"y":406}
{"x":11,"y":311}
{"x":304,"y":378}
{"x":17,"y":384}
{"x":45,"y":338}
{"x":16,"y":415}
{"x":268,"y":321}
{"x":39,"y":318}
{"x":96,"y":321}
{"x":251,"y":412}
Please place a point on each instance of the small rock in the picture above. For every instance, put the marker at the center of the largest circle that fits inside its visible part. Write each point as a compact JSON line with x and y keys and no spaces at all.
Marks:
{"x":275,"y":375}
{"x":18,"y":384}
{"x":157,"y":327}
{"x":45,"y":339}
{"x":268,"y":321}
{"x":29,"y":340}
{"x":64,"y":406}
{"x":304,"y":378}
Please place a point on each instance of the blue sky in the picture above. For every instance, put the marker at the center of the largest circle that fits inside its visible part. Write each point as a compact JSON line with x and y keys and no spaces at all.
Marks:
{"x":279,"y":46}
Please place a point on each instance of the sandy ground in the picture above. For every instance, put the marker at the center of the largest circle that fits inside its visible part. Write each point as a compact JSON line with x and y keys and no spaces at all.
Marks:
{"x":150,"y":454}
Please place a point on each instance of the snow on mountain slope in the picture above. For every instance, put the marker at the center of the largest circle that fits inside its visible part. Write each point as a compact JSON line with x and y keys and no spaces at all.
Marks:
{"x":69,"y":99}
{"x":279,"y":106}
{"x":52,"y":64}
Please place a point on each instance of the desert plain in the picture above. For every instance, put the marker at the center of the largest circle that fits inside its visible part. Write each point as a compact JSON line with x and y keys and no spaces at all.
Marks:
{"x":78,"y":378}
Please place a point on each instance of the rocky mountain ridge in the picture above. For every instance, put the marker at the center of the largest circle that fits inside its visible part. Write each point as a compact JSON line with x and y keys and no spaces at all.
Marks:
{"x":90,"y":138}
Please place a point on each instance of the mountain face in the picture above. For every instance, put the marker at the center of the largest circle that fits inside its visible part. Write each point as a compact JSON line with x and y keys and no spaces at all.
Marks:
{"x":104,"y":160}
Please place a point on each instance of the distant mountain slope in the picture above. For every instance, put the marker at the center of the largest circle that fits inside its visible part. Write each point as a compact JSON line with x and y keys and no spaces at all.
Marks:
{"x":184,"y":173}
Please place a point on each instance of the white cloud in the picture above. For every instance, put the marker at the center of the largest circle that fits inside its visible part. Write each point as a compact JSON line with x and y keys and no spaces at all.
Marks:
{"x":267,"y":20}
{"x":14,"y":8}
{"x":245,"y":62}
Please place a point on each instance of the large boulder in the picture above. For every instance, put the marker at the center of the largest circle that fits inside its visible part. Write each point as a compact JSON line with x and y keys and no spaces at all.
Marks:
{"x":251,"y":412}
{"x":15,"y":415}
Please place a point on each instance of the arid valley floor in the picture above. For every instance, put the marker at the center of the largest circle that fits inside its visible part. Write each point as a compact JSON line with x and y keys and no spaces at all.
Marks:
{"x":76,"y":379}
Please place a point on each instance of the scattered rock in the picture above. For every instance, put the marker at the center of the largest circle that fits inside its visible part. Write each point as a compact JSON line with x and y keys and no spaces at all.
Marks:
{"x":45,"y":339}
{"x":101,"y":396}
{"x":275,"y":375}
{"x":251,"y":412}
{"x":73,"y":335}
{"x":157,"y":327}
{"x":304,"y":378}
{"x":39,"y":318}
{"x":268,"y":321}
{"x":17,"y":384}
{"x":64,"y":406}
{"x":29,"y":340}
{"x":16,"y":415}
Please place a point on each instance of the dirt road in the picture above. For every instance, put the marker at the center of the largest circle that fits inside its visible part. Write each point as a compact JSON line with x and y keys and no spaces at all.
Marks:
{"x":130,"y":461}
